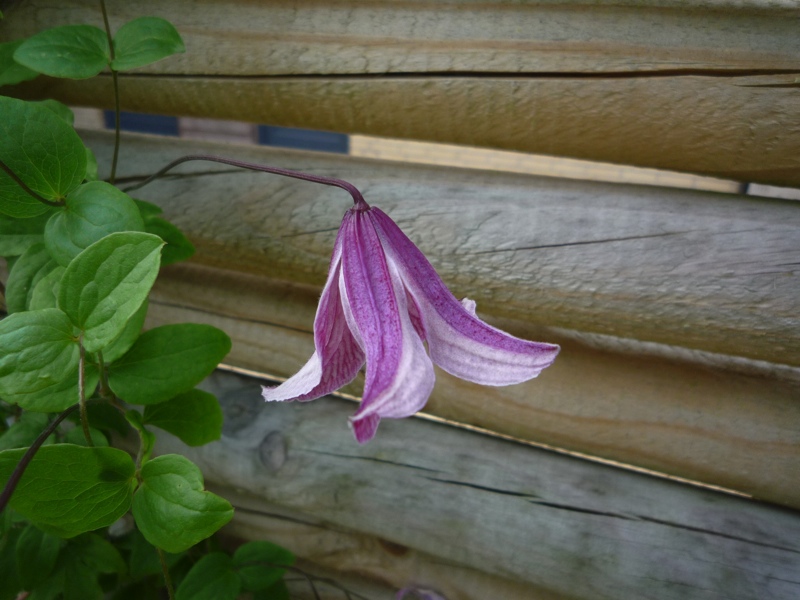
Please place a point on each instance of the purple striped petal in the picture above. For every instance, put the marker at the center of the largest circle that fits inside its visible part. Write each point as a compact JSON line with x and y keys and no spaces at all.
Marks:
{"x":458,"y":341}
{"x":337,"y":357}
{"x":399,"y":377}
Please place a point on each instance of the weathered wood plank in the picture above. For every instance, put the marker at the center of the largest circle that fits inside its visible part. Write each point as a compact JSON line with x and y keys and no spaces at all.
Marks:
{"x":690,"y":419}
{"x":670,"y":266}
{"x":573,"y":528}
{"x":708,"y":90}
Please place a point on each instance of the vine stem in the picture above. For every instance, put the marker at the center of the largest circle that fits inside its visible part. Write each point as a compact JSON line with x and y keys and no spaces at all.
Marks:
{"x":358,"y":199}
{"x":82,"y":394}
{"x":165,"y":570}
{"x":25,"y":187}
{"x":19,"y":470}
{"x":115,"y":80}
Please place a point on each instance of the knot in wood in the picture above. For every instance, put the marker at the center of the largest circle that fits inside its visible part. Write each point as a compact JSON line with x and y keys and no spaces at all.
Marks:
{"x":272,"y":451}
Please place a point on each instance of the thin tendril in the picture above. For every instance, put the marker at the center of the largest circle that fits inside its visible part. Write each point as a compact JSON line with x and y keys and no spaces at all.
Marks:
{"x":165,"y":571}
{"x":358,"y":199}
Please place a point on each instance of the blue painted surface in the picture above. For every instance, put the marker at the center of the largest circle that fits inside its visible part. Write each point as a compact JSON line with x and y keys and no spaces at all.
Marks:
{"x":303,"y":139}
{"x":143,"y":123}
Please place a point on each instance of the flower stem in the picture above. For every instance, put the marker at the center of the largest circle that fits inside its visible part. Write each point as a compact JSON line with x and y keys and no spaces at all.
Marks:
{"x":115,"y":80}
{"x":358,"y":199}
{"x":165,"y":570}
{"x":19,"y":470}
{"x":25,"y":187}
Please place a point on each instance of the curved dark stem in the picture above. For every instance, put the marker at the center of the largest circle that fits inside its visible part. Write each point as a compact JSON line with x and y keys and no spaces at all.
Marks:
{"x":19,"y":470}
{"x":115,"y":80}
{"x":25,"y":187}
{"x":358,"y":199}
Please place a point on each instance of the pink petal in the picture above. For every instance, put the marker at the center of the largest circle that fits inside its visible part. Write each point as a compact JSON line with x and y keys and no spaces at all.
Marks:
{"x":400,"y":375}
{"x":459,"y":342}
{"x":337,"y":357}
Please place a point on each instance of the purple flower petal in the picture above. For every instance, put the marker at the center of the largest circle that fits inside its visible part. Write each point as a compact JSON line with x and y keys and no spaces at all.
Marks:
{"x":400,"y":375}
{"x":337,"y":357}
{"x":458,"y":341}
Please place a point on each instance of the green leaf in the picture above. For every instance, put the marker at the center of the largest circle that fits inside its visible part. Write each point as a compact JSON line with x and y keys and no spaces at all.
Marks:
{"x":67,"y":490}
{"x":123,"y":342}
{"x":51,"y":169}
{"x":171,"y":509}
{"x":258,"y":564}
{"x":143,"y":41}
{"x":8,"y":564}
{"x":76,"y":436}
{"x":80,"y":581}
{"x":62,"y":110}
{"x":106,"y":284}
{"x":98,"y":554}
{"x":34,"y":264}
{"x":38,"y":360}
{"x":279,"y":591}
{"x":167,"y":361}
{"x":148,"y":440}
{"x":91,"y":166}
{"x":178,"y":246}
{"x":92,"y":211}
{"x":195,"y":417}
{"x":72,"y":51}
{"x":144,"y":557}
{"x":45,"y":293}
{"x":147,"y":209}
{"x":17,"y":235}
{"x":37,"y":552}
{"x":211,"y":578}
{"x":105,"y":417}
{"x":25,"y":431}
{"x":11,"y":72}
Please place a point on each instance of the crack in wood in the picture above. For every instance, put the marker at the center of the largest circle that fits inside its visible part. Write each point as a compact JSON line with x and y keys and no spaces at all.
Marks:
{"x":370,"y":459}
{"x":603,"y":241}
{"x":483,"y":488}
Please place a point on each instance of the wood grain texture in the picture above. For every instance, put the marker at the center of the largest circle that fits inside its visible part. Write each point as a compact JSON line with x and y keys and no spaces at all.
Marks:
{"x":700,"y":270}
{"x":575,"y":529}
{"x":710,"y":89}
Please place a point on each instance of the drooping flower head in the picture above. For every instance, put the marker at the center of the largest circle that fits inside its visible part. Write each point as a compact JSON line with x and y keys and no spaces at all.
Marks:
{"x":381,"y":304}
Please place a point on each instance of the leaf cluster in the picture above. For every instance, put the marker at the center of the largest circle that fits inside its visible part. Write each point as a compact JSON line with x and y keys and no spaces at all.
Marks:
{"x":83,"y":257}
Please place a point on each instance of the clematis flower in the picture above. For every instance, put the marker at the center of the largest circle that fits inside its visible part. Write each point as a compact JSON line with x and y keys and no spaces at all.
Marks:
{"x":381,"y":304}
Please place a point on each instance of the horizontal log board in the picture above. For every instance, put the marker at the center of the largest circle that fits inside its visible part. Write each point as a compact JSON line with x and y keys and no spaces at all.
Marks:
{"x":709,"y":90}
{"x":700,"y":270}
{"x":571,"y":528}
{"x":264,"y":243}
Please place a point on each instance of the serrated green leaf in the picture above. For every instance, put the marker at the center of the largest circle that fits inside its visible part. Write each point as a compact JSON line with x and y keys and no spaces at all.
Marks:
{"x":92,"y":211}
{"x":211,"y":578}
{"x":123,"y":342}
{"x":178,"y":246}
{"x":51,"y":169}
{"x":195,"y":417}
{"x":67,"y":490}
{"x":167,"y":361}
{"x":37,"y":552}
{"x":106,"y":284}
{"x":11,"y":72}
{"x":45,"y":292}
{"x":25,"y":431}
{"x":171,"y":508}
{"x":143,"y":41}
{"x":71,"y":51}
{"x":34,"y":264}
{"x":17,"y":235}
{"x":38,"y":355}
{"x":258,"y":564}
{"x":97,"y":553}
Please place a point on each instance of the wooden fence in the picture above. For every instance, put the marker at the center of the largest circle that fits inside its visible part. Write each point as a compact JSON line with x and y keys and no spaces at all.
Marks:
{"x":678,"y":311}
